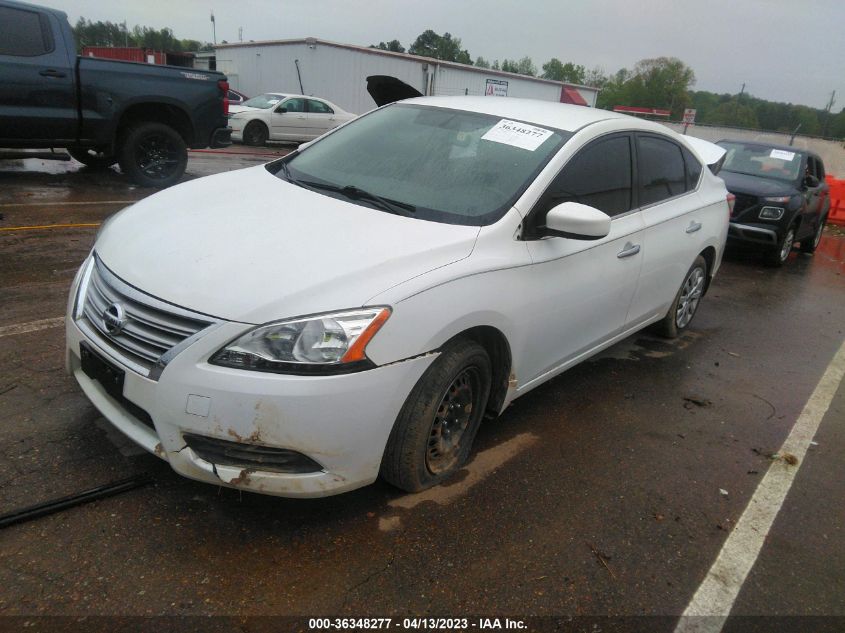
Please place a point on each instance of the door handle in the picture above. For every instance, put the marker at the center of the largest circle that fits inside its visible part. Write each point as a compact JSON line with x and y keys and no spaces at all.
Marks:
{"x":630,"y":249}
{"x":50,"y":72}
{"x":693,"y":226}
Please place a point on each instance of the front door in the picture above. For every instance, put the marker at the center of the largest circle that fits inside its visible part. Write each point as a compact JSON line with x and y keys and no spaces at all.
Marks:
{"x":289,"y":120}
{"x":37,"y":99}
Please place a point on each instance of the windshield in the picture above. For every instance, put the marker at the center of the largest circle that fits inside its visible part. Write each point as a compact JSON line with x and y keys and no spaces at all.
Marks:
{"x":766,"y":162}
{"x":263,"y":101}
{"x":432,"y":163}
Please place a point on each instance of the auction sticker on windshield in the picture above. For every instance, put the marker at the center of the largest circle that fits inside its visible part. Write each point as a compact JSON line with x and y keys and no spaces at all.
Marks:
{"x":517,"y":134}
{"x":782,"y":154}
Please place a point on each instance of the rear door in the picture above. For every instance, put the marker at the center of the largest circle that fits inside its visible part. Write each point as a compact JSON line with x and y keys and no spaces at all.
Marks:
{"x":37,"y":97}
{"x":586,"y":286}
{"x":675,"y":222}
{"x":321,"y":117}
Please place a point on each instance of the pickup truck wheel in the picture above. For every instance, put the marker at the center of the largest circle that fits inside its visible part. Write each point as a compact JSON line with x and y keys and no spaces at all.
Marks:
{"x":153,"y":154}
{"x":92,"y":158}
{"x":810,"y":244}
{"x":686,"y":302}
{"x":777,"y":256}
{"x":435,"y":429}
{"x":255,"y":134}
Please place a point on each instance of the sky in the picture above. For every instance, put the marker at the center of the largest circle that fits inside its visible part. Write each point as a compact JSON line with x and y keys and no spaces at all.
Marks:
{"x":782,"y":50}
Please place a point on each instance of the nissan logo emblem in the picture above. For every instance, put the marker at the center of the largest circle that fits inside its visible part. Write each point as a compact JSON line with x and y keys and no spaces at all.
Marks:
{"x":114,"y":318}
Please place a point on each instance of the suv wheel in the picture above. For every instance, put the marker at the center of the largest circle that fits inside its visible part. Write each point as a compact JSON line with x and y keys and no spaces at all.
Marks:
{"x":778,"y":256}
{"x":153,"y":154}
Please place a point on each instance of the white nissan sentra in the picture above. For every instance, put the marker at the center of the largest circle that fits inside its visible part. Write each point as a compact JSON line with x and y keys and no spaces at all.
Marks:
{"x":358,"y":307}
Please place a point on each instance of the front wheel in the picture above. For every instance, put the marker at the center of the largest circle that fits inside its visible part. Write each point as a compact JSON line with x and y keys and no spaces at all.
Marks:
{"x":777,"y":257}
{"x":686,"y":302}
{"x":433,"y":434}
{"x":810,"y":244}
{"x":153,"y":154}
{"x":255,"y":134}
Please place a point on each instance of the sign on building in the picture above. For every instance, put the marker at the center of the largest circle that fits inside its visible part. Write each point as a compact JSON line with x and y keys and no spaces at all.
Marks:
{"x":496,"y":88}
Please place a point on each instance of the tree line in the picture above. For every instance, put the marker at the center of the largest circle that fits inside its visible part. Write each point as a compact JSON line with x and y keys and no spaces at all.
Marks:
{"x":90,"y":33}
{"x":663,"y":82}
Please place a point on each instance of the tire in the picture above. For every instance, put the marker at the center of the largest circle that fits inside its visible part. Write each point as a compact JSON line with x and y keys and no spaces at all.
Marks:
{"x":152,"y":154}
{"x":810,"y":244}
{"x":426,"y":446}
{"x":255,"y":134}
{"x":92,"y":158}
{"x":686,"y":301}
{"x":777,"y":256}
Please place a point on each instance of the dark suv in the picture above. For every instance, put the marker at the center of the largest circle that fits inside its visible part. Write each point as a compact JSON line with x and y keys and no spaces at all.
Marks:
{"x":781,"y":197}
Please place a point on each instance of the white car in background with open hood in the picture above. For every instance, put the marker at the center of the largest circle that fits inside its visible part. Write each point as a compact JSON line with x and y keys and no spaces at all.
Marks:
{"x":359,"y":305}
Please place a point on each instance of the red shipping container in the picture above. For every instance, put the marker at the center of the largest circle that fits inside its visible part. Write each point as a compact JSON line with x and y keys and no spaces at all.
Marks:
{"x":126,"y":54}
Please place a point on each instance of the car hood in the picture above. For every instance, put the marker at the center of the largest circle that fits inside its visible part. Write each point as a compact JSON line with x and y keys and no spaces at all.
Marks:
{"x":234,"y":109}
{"x":385,"y":89}
{"x":247,"y":246}
{"x":755,"y":185}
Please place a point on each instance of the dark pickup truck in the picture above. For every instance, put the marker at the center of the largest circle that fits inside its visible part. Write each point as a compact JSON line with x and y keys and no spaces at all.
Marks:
{"x":141,"y":116}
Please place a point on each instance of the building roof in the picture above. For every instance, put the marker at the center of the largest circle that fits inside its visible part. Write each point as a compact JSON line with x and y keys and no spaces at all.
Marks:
{"x":407,"y":56}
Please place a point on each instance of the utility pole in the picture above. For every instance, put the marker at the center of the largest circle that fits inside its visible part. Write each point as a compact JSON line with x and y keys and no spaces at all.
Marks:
{"x":827,"y":112}
{"x":240,"y":34}
{"x":736,"y":109}
{"x":213,"y":28}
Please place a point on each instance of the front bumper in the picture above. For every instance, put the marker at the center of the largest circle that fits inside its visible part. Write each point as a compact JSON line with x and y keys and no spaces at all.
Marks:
{"x":755,"y":234}
{"x":341,"y":422}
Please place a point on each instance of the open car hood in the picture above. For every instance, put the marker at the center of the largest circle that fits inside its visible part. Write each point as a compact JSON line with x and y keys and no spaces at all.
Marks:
{"x":713,"y":155}
{"x":385,"y":89}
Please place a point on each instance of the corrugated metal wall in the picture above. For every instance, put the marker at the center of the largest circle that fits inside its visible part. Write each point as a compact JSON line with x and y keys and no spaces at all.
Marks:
{"x":340,"y":74}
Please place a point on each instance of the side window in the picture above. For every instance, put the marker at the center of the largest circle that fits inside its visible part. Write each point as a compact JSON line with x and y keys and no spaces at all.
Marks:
{"x":23,"y":34}
{"x":693,"y":169}
{"x":598,"y":176}
{"x":318,"y":107}
{"x":661,"y":169}
{"x":294,"y":105}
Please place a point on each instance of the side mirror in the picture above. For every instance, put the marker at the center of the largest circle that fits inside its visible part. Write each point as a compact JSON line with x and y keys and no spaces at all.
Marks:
{"x":576,"y":221}
{"x":281,"y":109}
{"x":811,"y":181}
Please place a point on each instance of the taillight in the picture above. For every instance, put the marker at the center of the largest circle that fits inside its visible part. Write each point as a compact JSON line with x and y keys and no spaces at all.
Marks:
{"x":731,"y":202}
{"x":223,"y":86}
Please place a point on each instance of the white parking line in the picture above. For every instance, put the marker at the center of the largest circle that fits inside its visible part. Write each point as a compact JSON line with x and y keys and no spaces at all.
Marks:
{"x":32,"y":326}
{"x":718,"y":592}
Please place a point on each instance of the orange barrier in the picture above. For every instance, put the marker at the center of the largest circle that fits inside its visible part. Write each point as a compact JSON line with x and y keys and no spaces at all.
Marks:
{"x":837,"y":200}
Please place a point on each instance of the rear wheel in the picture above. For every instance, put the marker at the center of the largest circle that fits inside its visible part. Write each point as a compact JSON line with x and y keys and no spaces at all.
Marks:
{"x":92,"y":158}
{"x":153,"y":154}
{"x":434,"y":431}
{"x":778,"y":256}
{"x":686,"y":302}
{"x":255,"y":134}
{"x":810,"y":244}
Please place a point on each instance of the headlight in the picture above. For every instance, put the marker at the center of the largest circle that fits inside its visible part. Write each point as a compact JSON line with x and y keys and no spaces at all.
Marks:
{"x":326,"y":343}
{"x":771,"y":213}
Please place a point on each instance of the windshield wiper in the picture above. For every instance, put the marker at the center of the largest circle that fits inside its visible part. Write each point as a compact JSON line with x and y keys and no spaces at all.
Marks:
{"x":354,"y":193}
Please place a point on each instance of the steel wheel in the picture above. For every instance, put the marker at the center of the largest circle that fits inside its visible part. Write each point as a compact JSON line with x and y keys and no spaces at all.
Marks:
{"x":451,"y":421}
{"x":691,"y":293}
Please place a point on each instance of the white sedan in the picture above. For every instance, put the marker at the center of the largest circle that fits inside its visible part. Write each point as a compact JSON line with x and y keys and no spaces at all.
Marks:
{"x":276,"y":116}
{"x":387,"y":287}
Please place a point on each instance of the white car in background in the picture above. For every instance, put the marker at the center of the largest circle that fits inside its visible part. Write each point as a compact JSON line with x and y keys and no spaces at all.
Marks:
{"x":387,"y":286}
{"x":277,"y":116}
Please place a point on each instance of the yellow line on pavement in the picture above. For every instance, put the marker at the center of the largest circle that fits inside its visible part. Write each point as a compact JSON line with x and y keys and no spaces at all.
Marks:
{"x":49,"y":226}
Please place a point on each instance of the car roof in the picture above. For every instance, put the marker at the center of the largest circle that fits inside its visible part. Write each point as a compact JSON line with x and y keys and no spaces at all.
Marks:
{"x":562,"y":116}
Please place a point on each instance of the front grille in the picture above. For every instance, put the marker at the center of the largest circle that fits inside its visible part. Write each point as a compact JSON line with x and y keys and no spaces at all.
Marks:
{"x":743,"y":202}
{"x":251,"y":456}
{"x":151,"y":327}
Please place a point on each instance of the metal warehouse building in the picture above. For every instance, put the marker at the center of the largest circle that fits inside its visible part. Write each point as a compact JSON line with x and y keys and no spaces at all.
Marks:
{"x":338,"y":72}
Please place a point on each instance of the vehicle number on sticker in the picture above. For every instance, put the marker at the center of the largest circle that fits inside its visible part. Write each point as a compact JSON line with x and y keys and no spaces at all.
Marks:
{"x":517,"y":134}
